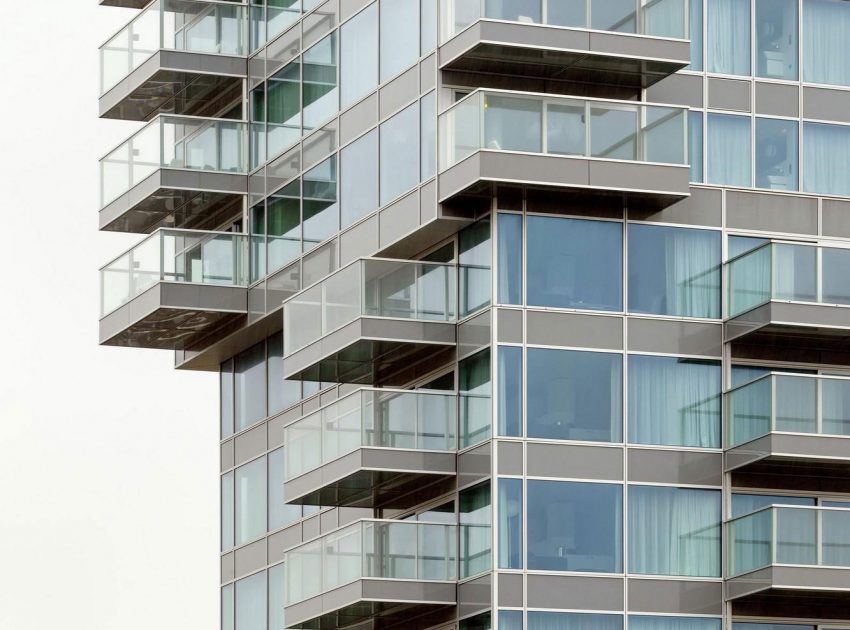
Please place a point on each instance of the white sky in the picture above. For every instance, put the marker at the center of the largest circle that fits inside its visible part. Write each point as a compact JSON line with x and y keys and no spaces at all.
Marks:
{"x":108,"y":457}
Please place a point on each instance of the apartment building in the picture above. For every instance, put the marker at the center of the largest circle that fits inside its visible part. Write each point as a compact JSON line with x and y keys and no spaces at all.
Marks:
{"x":526,"y":313}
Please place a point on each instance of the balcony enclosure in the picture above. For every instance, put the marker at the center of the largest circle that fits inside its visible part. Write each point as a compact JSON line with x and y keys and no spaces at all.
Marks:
{"x":373,"y":448}
{"x":173,"y":289}
{"x":371,"y":322}
{"x":384,"y":571}
{"x":624,"y":43}
{"x":176,"y":171}
{"x":791,"y":296}
{"x":596,"y":146}
{"x":176,"y":56}
{"x":790,"y":556}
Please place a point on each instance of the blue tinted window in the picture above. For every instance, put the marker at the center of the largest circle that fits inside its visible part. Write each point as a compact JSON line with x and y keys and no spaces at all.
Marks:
{"x":510,"y":391}
{"x":673,"y":623}
{"x":776,"y":154}
{"x":674,"y":271}
{"x":729,"y":150}
{"x":738,"y":245}
{"x":695,"y":27}
{"x":825,"y":27}
{"x":399,"y":36}
{"x":573,"y":621}
{"x":728,"y":43}
{"x":674,"y":402}
{"x":575,"y":263}
{"x":826,"y":153}
{"x":510,"y":620}
{"x":746,"y":503}
{"x":510,"y":259}
{"x":674,"y":531}
{"x":695,"y":145}
{"x":575,"y":526}
{"x":510,"y":523}
{"x":359,"y":178}
{"x":575,"y":395}
{"x":399,"y":153}
{"x":776,"y":39}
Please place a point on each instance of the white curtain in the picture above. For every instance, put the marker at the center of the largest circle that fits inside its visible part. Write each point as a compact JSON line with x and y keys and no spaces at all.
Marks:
{"x":673,"y":623}
{"x":826,"y":153}
{"x":825,"y":27}
{"x":674,"y":531}
{"x":835,"y":406}
{"x":729,"y":150}
{"x":692,"y":273}
{"x":573,"y":621}
{"x":664,"y":18}
{"x":729,"y":36}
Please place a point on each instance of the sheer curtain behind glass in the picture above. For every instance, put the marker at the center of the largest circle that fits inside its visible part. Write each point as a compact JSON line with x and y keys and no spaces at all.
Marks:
{"x":826,"y":24}
{"x":729,"y":150}
{"x":573,"y":621}
{"x":728,"y":42}
{"x":826,"y":154}
{"x":673,"y":623}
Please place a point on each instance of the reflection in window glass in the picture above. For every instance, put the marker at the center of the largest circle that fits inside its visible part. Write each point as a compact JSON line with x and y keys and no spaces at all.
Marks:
{"x":825,"y":27}
{"x":613,"y":132}
{"x":277,"y":585}
{"x":250,"y":386}
{"x":475,"y":392}
{"x":510,"y":259}
{"x":280,"y":512}
{"x":258,"y":127}
{"x":276,"y":400}
{"x":359,"y":56}
{"x":674,"y":531}
{"x":399,"y":153}
{"x":284,"y":225}
{"x":575,"y":263}
{"x":475,"y":519}
{"x":575,"y":395}
{"x":321,"y":212}
{"x":565,"y":129}
{"x":284,"y":108}
{"x":474,"y":260}
{"x":514,"y":10}
{"x":738,"y":245}
{"x":613,"y":15}
{"x":512,"y":124}
{"x":510,"y":391}
{"x":674,"y":271}
{"x":250,"y":482}
{"x":729,"y":150}
{"x":428,"y":29}
{"x":510,"y":523}
{"x":575,"y":526}
{"x":776,"y":39}
{"x":320,"y":95}
{"x":573,"y":621}
{"x":510,"y":620}
{"x":826,"y":153}
{"x":566,"y":13}
{"x":728,"y":44}
{"x":399,"y":36}
{"x":258,"y":241}
{"x":695,"y":30}
{"x":227,"y":516}
{"x":251,"y":602}
{"x":673,"y":623}
{"x":695,"y":145}
{"x":746,"y":503}
{"x":835,"y":282}
{"x":776,"y":154}
{"x":674,"y":402}
{"x":359,"y":178}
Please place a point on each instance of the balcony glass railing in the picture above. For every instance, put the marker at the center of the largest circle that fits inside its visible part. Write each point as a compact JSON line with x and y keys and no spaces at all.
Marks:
{"x":370,"y":287}
{"x":564,"y":126}
{"x":191,"y":256}
{"x":788,"y":272}
{"x":185,"y":25}
{"x":395,"y":550}
{"x":788,"y":403}
{"x":374,"y":418}
{"x":798,"y":536}
{"x":656,"y":18}
{"x":178,"y":142}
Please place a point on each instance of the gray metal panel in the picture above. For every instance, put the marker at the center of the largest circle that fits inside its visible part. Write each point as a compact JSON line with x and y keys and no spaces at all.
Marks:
{"x":474,"y":596}
{"x":510,"y":325}
{"x":729,"y":94}
{"x":571,"y":329}
{"x":777,"y":99}
{"x":771,"y":213}
{"x":399,"y":219}
{"x":474,"y":465}
{"x":428,"y":209}
{"x":474,"y":334}
{"x":360,"y":240}
{"x":826,"y":104}
{"x":685,"y":597}
{"x":677,"y":89}
{"x":835,"y":218}
{"x":227,"y":457}
{"x":427,"y":73}
{"x":675,"y":467}
{"x":703,"y":207}
{"x":511,"y":589}
{"x":510,"y":457}
{"x":280,"y":541}
{"x":358,"y":119}
{"x":810,"y":580}
{"x":399,"y":92}
{"x":250,"y":444}
{"x":561,"y":592}
{"x":676,"y":337}
{"x":329,"y":520}
{"x":228,"y":571}
{"x":574,"y":462}
{"x":639,"y":176}
{"x":250,"y":558}
{"x":792,"y":447}
{"x":619,"y":44}
{"x":310,"y":528}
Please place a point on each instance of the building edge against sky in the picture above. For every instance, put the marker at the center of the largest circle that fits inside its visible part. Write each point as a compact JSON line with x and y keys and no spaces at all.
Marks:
{"x":526,"y":313}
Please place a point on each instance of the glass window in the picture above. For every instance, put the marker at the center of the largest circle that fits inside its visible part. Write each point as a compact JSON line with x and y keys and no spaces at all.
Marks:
{"x":613,"y":132}
{"x":284,"y":108}
{"x":746,"y":503}
{"x":674,"y":402}
{"x":695,"y":145}
{"x":514,"y":10}
{"x":258,"y":126}
{"x":284,"y":225}
{"x":428,"y":125}
{"x":399,"y":36}
{"x":695,"y":29}
{"x":776,"y":154}
{"x":251,"y":500}
{"x":776,"y":39}
{"x":478,"y":622}
{"x":277,"y":588}
{"x":825,"y":27}
{"x":250,"y":386}
{"x":510,"y":620}
{"x":613,"y":15}
{"x":358,"y":40}
{"x":575,"y":263}
{"x":320,"y":208}
{"x":510,"y":391}
{"x":510,"y":258}
{"x":513,"y":124}
{"x":575,"y":395}
{"x":474,"y":260}
{"x":226,"y":398}
{"x":729,"y":150}
{"x":227,"y":516}
{"x":399,"y":153}
{"x":510,"y":523}
{"x":277,"y":402}
{"x":258,"y":241}
{"x":227,"y":607}
{"x":428,"y":30}
{"x":674,"y":271}
{"x":280,"y":512}
{"x":674,"y":531}
{"x":728,"y":43}
{"x":826,"y":153}
{"x":575,"y":526}
{"x":673,"y":623}
{"x":359,"y":178}
{"x":738,"y":245}
{"x":319,"y":91}
{"x":475,"y":519}
{"x":251,"y":602}
{"x":474,"y":385}
{"x":573,"y":621}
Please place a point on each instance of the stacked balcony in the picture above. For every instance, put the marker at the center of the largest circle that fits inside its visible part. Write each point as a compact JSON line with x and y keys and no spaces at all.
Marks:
{"x":790,"y":301}
{"x":174,"y":289}
{"x":182,"y":57}
{"x":373,"y":322}
{"x":596,"y":149}
{"x":374,"y":572}
{"x":622,"y":43}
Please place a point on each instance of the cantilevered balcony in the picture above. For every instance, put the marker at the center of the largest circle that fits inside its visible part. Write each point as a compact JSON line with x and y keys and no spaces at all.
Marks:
{"x":375,"y":321}
{"x":792,"y":299}
{"x":628,"y":43}
{"x":375,"y":448}
{"x":784,"y":429}
{"x":174,"y":289}
{"x":384,"y":572}
{"x":595,"y":148}
{"x":790,"y":562}
{"x":176,"y":172}
{"x":177,"y":56}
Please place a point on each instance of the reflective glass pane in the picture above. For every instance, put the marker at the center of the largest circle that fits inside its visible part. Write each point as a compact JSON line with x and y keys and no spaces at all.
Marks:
{"x":826,"y":153}
{"x":776,"y":154}
{"x":613,"y":132}
{"x":251,"y":602}
{"x":573,"y":621}
{"x":776,"y":39}
{"x":319,"y":90}
{"x":695,"y":145}
{"x":728,"y":44}
{"x":250,"y":482}
{"x":565,"y":129}
{"x":729,"y":149}
{"x":399,"y":36}
{"x":359,"y":178}
{"x":510,"y":523}
{"x":510,"y":391}
{"x":399,"y":158}
{"x":359,"y":56}
{"x":825,"y":27}
{"x":613,"y":15}
{"x":510,"y":259}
